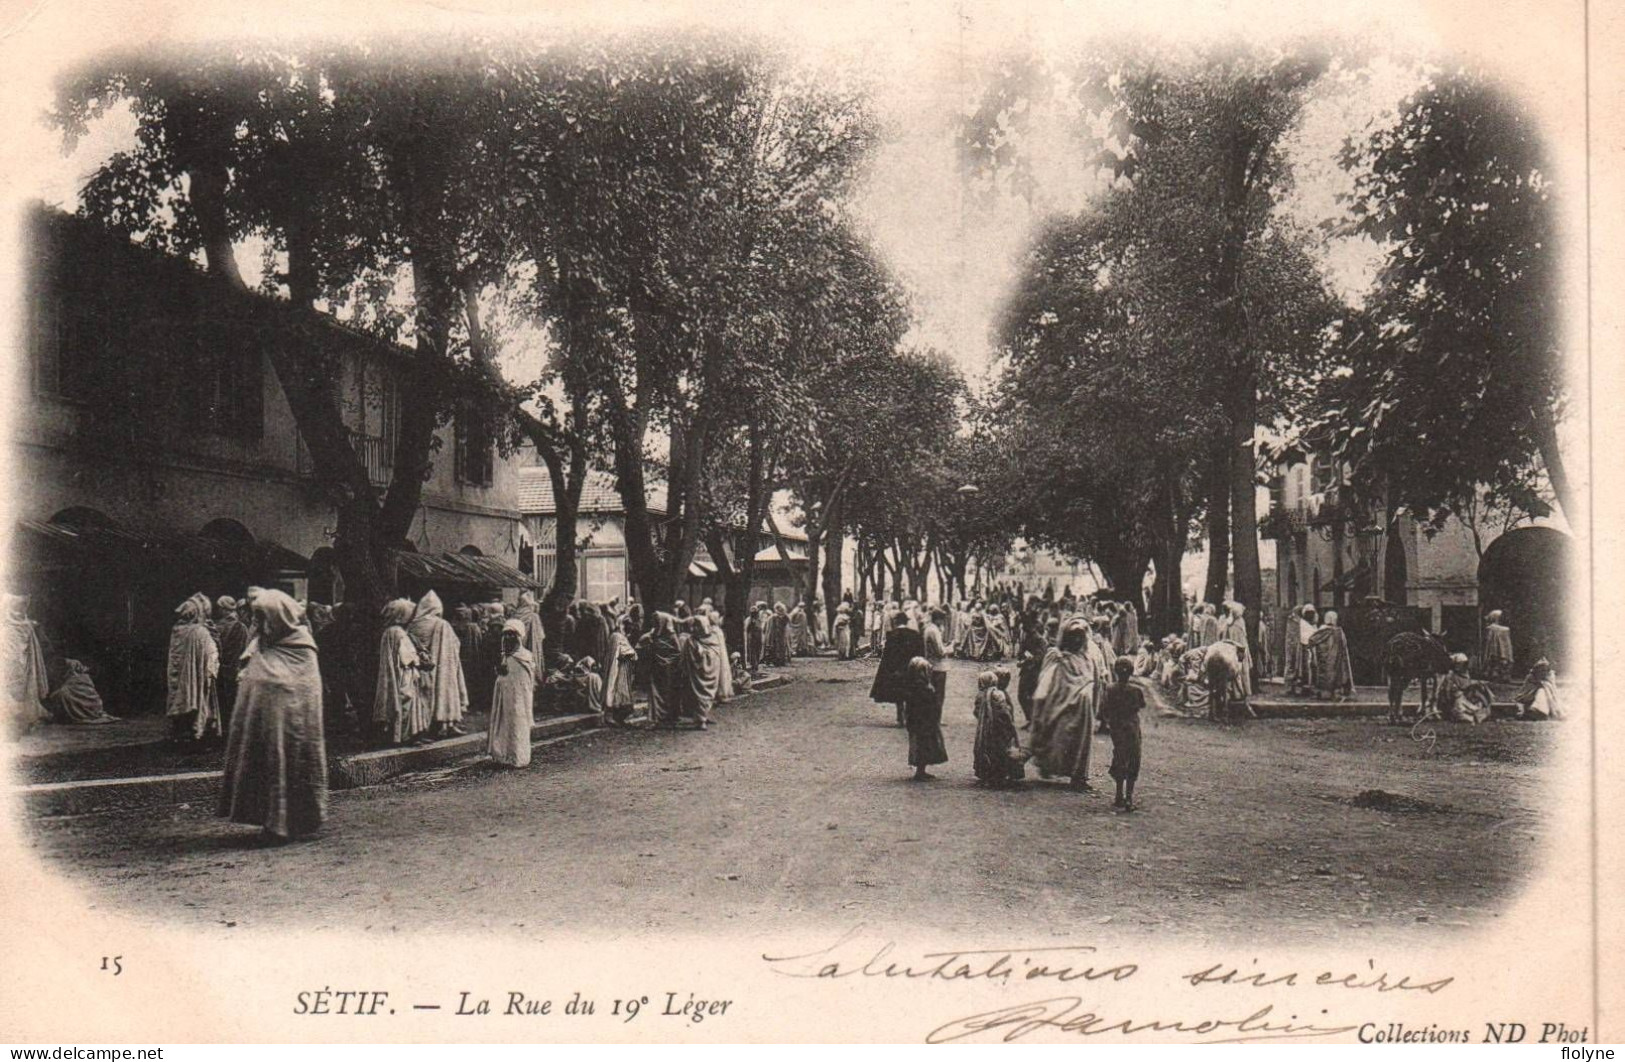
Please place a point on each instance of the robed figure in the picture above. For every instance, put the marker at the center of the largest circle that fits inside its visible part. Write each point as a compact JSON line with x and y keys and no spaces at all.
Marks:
{"x":513,"y":700}
{"x":665,"y":652}
{"x":1064,"y":708}
{"x":440,"y":656}
{"x":276,"y":755}
{"x":903,"y":644}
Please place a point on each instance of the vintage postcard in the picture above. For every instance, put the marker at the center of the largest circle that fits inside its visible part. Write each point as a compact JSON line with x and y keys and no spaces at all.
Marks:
{"x":936,"y":522}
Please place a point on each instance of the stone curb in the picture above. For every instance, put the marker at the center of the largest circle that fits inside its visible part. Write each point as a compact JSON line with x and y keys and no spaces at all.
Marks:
{"x":348,"y":772}
{"x":89,"y":796}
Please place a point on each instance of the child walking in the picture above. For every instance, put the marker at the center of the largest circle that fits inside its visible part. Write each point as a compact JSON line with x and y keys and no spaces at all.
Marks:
{"x":1120,"y":710}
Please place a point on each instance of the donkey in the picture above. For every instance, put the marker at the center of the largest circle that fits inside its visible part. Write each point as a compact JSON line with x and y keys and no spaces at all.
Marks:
{"x":1419,"y":655}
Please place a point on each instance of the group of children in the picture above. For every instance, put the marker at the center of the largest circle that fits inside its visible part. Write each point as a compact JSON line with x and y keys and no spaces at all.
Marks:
{"x":999,"y":756}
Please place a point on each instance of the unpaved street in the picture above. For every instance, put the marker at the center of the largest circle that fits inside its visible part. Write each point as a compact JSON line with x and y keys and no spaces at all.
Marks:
{"x":796,"y":811}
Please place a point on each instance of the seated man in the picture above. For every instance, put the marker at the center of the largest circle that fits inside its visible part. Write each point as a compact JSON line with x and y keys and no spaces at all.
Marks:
{"x":1460,"y":698}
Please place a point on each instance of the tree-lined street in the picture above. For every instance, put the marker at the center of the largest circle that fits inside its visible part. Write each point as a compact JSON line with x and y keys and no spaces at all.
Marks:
{"x":795,"y":812}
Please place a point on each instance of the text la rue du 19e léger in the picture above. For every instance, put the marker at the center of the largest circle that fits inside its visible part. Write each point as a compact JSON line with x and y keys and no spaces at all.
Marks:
{"x":368,"y":1003}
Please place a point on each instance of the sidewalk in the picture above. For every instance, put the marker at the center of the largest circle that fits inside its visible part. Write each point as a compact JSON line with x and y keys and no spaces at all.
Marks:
{"x":77,"y":770}
{"x":1275,"y":701}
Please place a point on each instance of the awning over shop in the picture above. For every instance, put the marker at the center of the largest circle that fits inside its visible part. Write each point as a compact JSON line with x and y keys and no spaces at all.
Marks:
{"x":462,"y":574}
{"x":46,"y":546}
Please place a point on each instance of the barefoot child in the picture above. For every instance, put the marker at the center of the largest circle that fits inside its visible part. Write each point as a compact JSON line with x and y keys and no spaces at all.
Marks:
{"x":1120,"y":709}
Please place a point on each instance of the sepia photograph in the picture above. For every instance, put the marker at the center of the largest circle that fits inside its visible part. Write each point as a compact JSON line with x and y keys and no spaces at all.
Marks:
{"x":1042,"y":512}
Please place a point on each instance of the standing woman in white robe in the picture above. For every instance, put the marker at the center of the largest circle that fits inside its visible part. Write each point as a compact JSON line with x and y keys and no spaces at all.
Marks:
{"x":395,"y":697}
{"x":194,"y":666}
{"x":618,"y":689}
{"x":725,"y":680}
{"x":24,"y":685}
{"x":512,"y":700}
{"x":276,"y":755}
{"x":447,"y":693}
{"x":535,"y":635}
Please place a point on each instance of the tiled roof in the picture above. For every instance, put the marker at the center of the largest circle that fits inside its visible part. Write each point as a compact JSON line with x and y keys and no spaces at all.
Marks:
{"x":598,"y":495}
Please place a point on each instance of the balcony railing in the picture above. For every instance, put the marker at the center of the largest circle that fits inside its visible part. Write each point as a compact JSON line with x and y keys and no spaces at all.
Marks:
{"x":375,"y":457}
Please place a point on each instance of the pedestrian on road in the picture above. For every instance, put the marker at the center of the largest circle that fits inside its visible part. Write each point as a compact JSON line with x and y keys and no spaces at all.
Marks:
{"x":778,"y":637}
{"x":1121,"y":709}
{"x":843,"y":631}
{"x":936,"y":652}
{"x":26,"y":682}
{"x":712,"y":641}
{"x":1031,"y":660}
{"x":1334,"y":675}
{"x":276,"y":756}
{"x":719,"y":643}
{"x":700,"y":673}
{"x":471,"y":651}
{"x":395,"y":696}
{"x":441,"y":657}
{"x":903,"y":644}
{"x":194,"y":667}
{"x":1064,"y":708}
{"x":535,"y":636}
{"x":753,"y":637}
{"x":513,"y":700}
{"x":923,"y":716}
{"x":1497,"y":653}
{"x":800,"y":638}
{"x":997,"y":759}
{"x":618,"y":701}
{"x":665,"y":657}
{"x":233,"y":641}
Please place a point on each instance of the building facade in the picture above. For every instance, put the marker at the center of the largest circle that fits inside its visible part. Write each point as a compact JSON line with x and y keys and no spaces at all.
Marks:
{"x":604,"y":572}
{"x":1386,"y":572}
{"x":153,"y":429}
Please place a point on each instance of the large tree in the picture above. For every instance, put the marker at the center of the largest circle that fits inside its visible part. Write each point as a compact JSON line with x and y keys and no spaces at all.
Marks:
{"x":1454,"y":377}
{"x":364,"y":167}
{"x":1194,"y":145}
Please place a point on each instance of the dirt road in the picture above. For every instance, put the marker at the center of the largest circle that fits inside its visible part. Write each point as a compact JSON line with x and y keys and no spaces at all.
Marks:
{"x":796,"y":811}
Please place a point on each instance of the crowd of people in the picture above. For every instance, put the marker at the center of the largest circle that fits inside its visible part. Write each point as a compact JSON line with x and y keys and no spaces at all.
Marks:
{"x":266,"y":676}
{"x":1081,"y":665}
{"x":257,"y":673}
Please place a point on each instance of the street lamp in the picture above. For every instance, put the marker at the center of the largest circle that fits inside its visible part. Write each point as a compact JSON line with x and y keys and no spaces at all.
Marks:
{"x":967,"y":490}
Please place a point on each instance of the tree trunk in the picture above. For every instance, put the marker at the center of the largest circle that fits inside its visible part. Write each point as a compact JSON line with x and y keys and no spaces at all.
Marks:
{"x":1218,"y":523}
{"x":737,"y":597}
{"x":834,"y":547}
{"x":628,"y":425}
{"x":809,"y":582}
{"x":1125,"y":576}
{"x":206,"y":190}
{"x":1244,"y":510}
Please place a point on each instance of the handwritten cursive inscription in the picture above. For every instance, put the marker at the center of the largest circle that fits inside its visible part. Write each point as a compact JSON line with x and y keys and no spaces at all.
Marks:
{"x":848,"y":957}
{"x":1067,"y":1014}
{"x":1370,"y":980}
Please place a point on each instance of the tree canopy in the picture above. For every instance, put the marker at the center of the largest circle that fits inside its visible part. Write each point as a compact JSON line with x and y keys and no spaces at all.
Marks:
{"x":1452,"y":375}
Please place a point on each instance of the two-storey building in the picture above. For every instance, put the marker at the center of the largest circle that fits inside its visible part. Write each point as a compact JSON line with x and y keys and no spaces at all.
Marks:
{"x":153,"y":454}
